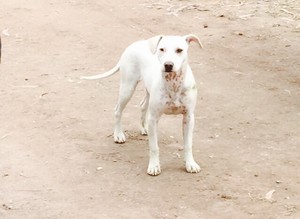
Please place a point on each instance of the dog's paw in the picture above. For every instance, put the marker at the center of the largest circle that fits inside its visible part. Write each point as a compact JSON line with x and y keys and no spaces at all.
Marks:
{"x":144,"y":131}
{"x":192,"y":167}
{"x":119,"y":137}
{"x":154,"y":170}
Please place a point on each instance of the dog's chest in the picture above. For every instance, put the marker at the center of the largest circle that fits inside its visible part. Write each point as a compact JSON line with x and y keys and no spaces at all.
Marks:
{"x":174,"y":98}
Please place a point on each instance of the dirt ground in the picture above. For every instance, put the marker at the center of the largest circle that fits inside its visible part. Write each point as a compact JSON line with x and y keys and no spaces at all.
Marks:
{"x":57,"y":155}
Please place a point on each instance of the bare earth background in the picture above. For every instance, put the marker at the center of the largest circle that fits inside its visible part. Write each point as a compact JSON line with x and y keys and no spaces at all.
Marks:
{"x":57,"y":155}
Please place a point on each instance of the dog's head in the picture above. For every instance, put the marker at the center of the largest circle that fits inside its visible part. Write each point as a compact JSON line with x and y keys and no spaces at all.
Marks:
{"x":172,"y":51}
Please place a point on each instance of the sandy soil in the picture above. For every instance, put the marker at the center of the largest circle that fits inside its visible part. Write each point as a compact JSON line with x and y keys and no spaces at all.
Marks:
{"x":57,"y":155}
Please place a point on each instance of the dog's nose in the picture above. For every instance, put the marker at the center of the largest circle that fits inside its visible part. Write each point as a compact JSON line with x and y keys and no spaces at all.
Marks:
{"x":169,"y":66}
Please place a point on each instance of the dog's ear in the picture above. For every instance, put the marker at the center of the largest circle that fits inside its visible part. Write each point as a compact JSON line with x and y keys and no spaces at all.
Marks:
{"x":153,"y":43}
{"x":193,"y":38}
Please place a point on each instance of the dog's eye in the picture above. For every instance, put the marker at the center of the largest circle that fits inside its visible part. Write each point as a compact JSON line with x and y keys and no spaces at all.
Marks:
{"x":179,"y":50}
{"x":162,"y":49}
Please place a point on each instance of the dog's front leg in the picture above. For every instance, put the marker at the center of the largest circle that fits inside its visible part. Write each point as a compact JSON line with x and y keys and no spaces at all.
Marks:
{"x":154,"y":166}
{"x":188,"y":126}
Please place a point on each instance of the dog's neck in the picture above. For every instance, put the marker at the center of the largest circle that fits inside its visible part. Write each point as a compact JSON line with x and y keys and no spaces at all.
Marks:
{"x":173,"y":84}
{"x":171,"y":77}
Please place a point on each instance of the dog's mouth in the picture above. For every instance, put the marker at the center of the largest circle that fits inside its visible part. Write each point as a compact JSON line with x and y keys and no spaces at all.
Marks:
{"x":168,"y":69}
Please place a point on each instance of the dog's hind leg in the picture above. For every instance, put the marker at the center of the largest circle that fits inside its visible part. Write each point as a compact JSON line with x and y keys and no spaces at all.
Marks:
{"x":144,"y":115}
{"x":126,"y":90}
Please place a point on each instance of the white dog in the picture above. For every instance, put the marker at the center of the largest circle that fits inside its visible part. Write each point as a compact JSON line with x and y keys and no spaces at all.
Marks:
{"x":161,"y":63}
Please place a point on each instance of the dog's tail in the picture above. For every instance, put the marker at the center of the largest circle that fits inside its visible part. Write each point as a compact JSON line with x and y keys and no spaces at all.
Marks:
{"x":104,"y":75}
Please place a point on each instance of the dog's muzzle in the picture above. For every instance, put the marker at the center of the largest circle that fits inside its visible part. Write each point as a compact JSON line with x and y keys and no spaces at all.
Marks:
{"x":169,"y":66}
